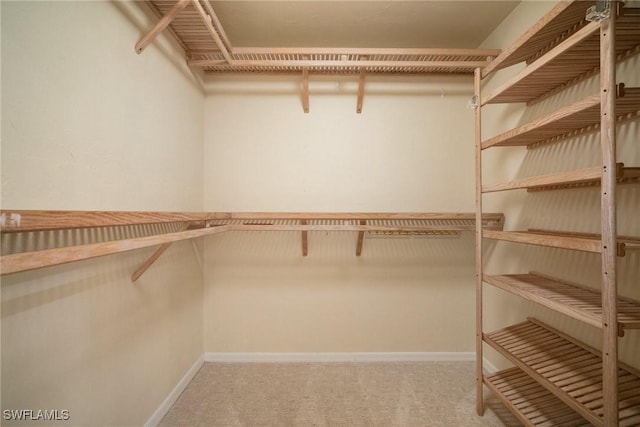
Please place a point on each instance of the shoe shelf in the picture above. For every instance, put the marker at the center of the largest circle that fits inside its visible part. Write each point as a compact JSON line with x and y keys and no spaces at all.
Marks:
{"x":571,"y":370}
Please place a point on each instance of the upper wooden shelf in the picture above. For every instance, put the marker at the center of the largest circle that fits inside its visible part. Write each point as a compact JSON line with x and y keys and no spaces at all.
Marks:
{"x":576,"y":57}
{"x":579,"y":302}
{"x":567,"y":368}
{"x":563,"y":20}
{"x":567,"y":121}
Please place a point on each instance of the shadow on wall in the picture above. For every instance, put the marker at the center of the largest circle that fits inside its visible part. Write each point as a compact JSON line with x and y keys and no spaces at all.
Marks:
{"x":105,"y":339}
{"x":32,"y":289}
{"x":272,"y":246}
{"x":322,"y":85}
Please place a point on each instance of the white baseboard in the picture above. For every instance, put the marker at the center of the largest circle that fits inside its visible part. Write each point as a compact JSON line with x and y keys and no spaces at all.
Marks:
{"x":340,"y":357}
{"x":489,"y":367}
{"x":175,"y":393}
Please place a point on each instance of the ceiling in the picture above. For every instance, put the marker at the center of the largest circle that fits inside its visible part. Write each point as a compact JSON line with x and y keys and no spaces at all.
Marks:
{"x":382,"y":24}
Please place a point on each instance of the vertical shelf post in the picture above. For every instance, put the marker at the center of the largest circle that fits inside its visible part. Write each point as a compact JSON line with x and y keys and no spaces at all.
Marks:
{"x":608,"y":217}
{"x":478,"y":151}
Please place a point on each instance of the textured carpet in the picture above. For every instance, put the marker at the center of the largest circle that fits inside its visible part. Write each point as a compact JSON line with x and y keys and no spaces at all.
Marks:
{"x":335,"y":394}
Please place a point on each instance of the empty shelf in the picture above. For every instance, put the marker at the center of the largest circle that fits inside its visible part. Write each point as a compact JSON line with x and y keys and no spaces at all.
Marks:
{"x":579,"y":302}
{"x":575,"y":57}
{"x":566,"y":121}
{"x":567,"y":368}
{"x":530,"y":402}
{"x":563,"y":20}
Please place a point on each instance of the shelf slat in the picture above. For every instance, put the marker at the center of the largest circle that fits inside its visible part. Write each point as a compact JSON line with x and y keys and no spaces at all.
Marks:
{"x":531,"y":403}
{"x":570,"y":370}
{"x":565,"y":121}
{"x":578,"y":302}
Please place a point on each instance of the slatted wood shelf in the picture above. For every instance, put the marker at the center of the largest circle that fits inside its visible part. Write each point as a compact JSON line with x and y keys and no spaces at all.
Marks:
{"x":575,"y":56}
{"x":564,"y":19}
{"x":532,"y":404}
{"x":199,"y":224}
{"x":206,"y":45}
{"x":567,"y":120}
{"x":39,"y":220}
{"x":572,"y":179}
{"x":569,"y":369}
{"x":381,"y":61}
{"x":562,"y":178}
{"x":24,"y":261}
{"x":559,"y":240}
{"x":578,"y":302}
{"x":625,"y":175}
{"x":586,"y":242}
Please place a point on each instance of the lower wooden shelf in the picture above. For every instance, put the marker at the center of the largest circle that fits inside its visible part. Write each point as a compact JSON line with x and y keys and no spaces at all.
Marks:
{"x":579,"y":302}
{"x":530,"y":402}
{"x":568,"y":369}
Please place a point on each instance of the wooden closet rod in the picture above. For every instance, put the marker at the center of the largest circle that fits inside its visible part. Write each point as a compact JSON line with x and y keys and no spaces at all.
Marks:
{"x":32,"y":260}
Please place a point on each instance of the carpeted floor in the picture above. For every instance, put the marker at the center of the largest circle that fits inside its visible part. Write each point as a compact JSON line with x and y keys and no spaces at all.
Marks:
{"x":403,"y":394}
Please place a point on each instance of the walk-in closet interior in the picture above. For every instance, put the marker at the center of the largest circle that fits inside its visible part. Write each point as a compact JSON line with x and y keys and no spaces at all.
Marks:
{"x":192,"y":182}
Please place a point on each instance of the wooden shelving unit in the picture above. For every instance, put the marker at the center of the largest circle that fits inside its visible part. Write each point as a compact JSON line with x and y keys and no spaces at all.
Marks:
{"x":558,"y":381}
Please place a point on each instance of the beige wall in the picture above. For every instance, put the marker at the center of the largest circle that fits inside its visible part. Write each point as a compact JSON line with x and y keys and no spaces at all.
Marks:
{"x":570,"y":210}
{"x":409,"y":150}
{"x":88,"y":124}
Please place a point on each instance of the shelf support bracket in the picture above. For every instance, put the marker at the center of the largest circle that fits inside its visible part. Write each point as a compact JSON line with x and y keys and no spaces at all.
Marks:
{"x":599,"y":12}
{"x":161,"y":25}
{"x":360,"y":90}
{"x":360,"y":239}
{"x":153,"y":258}
{"x":305,"y":242}
{"x":305,"y":89}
